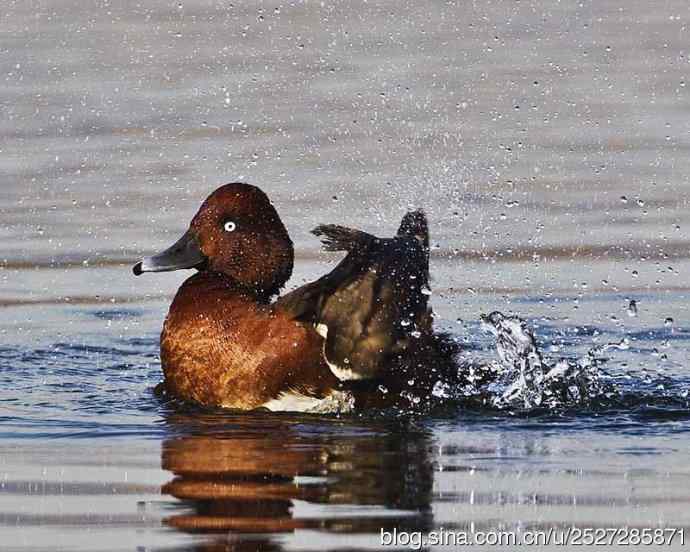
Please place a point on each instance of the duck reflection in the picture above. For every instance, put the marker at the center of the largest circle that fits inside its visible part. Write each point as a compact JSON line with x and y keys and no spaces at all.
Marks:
{"x":242,"y":476}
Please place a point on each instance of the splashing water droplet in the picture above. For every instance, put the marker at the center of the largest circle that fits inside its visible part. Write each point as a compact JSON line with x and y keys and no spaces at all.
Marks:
{"x":527,"y":380}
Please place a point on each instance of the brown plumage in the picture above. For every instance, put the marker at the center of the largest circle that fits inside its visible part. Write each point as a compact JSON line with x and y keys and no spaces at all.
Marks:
{"x":219,"y":346}
{"x":223,"y":343}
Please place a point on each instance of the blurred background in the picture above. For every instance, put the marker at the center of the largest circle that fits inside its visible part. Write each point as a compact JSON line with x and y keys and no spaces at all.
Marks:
{"x":547,"y":141}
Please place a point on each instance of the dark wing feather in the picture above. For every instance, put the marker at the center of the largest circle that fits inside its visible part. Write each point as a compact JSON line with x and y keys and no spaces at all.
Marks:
{"x":373,"y":304}
{"x":304,"y":303}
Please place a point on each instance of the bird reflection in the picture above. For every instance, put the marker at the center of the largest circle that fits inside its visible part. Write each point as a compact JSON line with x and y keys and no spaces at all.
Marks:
{"x":246,"y":482}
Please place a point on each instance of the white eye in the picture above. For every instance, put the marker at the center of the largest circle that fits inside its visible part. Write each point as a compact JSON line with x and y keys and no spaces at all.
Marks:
{"x":229,"y":226}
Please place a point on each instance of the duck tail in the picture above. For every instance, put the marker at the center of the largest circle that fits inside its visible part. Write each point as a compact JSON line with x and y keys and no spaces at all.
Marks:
{"x":341,"y":238}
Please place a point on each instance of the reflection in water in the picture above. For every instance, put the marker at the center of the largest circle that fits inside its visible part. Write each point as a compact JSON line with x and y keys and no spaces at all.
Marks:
{"x":245,"y":475}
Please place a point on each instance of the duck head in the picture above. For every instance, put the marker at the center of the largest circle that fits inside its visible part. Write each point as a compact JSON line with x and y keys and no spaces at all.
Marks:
{"x":237,"y":233}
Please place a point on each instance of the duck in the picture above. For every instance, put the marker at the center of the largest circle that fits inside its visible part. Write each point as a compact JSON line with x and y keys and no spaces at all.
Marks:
{"x":359,"y":336}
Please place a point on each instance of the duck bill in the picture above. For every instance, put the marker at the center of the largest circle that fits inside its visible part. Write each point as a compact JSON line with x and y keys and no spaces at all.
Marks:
{"x":185,"y":253}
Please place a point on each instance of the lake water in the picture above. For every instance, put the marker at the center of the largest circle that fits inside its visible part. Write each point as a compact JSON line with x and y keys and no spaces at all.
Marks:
{"x":548,"y":143}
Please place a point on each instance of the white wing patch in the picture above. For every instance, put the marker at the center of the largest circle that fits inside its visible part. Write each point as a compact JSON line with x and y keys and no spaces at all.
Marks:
{"x":343,"y":374}
{"x":292,"y":401}
{"x":322,"y":330}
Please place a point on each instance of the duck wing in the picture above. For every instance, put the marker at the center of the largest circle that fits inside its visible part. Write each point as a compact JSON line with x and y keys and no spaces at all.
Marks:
{"x":306,"y":302}
{"x":373,"y":305}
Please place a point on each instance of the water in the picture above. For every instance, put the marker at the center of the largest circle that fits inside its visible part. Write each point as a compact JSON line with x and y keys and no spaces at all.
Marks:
{"x":547,"y":143}
{"x":87,"y":445}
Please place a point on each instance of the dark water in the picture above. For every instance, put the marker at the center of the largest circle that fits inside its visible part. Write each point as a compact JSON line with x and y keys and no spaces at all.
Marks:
{"x":92,"y":460}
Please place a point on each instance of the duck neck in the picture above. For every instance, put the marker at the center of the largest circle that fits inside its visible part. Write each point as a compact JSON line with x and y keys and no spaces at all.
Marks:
{"x":227,"y":282}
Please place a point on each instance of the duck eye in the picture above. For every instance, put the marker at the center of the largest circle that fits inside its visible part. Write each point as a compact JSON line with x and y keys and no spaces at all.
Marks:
{"x":229,"y":226}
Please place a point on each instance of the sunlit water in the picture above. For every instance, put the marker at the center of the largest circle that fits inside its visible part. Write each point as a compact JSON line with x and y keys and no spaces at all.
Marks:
{"x":546,"y":141}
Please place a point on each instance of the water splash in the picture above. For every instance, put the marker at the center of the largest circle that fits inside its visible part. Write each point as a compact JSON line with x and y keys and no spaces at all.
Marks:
{"x":526,"y":379}
{"x":103,"y":386}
